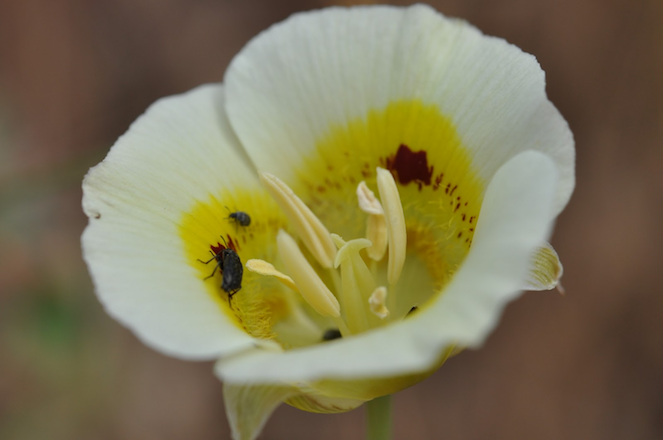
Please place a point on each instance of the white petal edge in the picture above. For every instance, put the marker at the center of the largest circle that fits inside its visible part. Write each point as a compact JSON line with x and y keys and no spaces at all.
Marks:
{"x":514,"y":220}
{"x":248,"y":407}
{"x":180,"y":151}
{"x":320,"y":69}
{"x":545,"y":269}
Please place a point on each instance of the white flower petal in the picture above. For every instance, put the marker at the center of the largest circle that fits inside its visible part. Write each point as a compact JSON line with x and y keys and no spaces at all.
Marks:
{"x":545,"y":269}
{"x":515,"y":219}
{"x":248,"y":407}
{"x":317,"y":70}
{"x":179,"y":152}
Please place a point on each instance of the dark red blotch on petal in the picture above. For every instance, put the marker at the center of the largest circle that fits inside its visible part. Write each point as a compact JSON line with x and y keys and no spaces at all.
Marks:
{"x":229,"y":244}
{"x":410,"y":166}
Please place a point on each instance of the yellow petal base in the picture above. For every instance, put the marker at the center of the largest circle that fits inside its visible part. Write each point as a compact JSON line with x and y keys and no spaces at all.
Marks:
{"x":261,"y":299}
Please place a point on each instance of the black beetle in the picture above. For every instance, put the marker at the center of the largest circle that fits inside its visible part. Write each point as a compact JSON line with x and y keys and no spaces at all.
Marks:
{"x":230,"y":265}
{"x":331,"y":334}
{"x":240,"y":217}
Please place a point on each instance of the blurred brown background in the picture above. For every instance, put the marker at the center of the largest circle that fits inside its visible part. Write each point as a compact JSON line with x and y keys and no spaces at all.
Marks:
{"x":588,"y":365}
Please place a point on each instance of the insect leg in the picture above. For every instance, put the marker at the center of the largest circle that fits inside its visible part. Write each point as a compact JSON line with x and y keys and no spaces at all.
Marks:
{"x":230,"y":297}
{"x":208,"y":261}
{"x":219,"y":264}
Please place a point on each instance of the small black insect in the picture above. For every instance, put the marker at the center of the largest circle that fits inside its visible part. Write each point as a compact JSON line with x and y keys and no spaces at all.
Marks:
{"x":230,"y":265}
{"x":240,"y":217}
{"x":412,"y":310}
{"x":331,"y":334}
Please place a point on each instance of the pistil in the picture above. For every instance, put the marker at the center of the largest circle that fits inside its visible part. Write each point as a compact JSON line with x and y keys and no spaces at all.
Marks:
{"x":357,"y":282}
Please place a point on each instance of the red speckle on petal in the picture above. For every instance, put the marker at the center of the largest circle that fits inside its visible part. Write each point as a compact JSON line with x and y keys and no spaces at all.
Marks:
{"x":232,"y":244}
{"x":438,"y":181}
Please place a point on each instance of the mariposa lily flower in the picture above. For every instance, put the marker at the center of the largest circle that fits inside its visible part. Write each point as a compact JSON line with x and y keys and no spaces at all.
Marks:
{"x":388,"y":178}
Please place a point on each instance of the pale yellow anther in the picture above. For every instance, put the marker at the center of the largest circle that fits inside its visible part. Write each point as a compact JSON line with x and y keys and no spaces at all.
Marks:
{"x":396,"y":231}
{"x":310,"y":229}
{"x":261,"y":267}
{"x":367,"y":200}
{"x":377,"y":233}
{"x":376,"y":225}
{"x":309,"y":284}
{"x":377,"y":302}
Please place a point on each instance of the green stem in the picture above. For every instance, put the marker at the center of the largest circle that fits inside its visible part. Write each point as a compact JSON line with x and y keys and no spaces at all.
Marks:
{"x":378,"y":418}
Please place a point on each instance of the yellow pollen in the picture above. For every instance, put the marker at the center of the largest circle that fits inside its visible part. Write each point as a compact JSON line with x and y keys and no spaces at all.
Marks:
{"x":377,"y":302}
{"x":396,"y":231}
{"x":309,"y":228}
{"x":309,"y":284}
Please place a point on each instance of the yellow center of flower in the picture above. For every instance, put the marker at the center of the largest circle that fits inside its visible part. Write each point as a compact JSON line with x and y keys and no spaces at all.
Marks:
{"x":383,"y":213}
{"x":209,"y":228}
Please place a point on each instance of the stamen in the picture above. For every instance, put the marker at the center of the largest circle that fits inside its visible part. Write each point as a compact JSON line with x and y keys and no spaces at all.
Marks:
{"x":377,"y":302}
{"x":309,"y":284}
{"x":309,"y":228}
{"x":377,"y":233}
{"x":391,"y":202}
{"x":261,"y":267}
{"x":367,"y":200}
{"x":356,"y":281}
{"x":376,"y":225}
